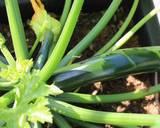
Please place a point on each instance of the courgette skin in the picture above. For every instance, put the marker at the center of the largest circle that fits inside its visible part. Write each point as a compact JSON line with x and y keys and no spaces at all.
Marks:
{"x":44,"y":50}
{"x":108,"y":66}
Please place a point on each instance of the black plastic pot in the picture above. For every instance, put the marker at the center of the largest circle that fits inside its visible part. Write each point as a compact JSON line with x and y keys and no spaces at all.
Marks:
{"x":150,"y":33}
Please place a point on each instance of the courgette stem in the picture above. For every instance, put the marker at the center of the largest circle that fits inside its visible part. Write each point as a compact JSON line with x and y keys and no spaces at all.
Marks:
{"x":7,"y":98}
{"x":111,"y":98}
{"x":112,"y":118}
{"x":7,"y":85}
{"x":17,"y":30}
{"x":60,"y":121}
{"x":8,"y":55}
{"x":88,"y":39}
{"x":35,"y":44}
{"x":129,"y":127}
{"x":65,"y":12}
{"x":118,"y":34}
{"x":5,"y":51}
{"x":63,"y":19}
{"x":83,"y":124}
{"x":63,"y":41}
{"x":129,"y":34}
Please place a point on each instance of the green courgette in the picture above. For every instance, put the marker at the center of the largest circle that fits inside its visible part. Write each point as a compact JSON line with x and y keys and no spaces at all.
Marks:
{"x":113,"y":65}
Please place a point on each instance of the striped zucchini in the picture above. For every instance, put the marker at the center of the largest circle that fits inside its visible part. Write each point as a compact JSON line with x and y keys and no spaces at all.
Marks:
{"x":44,"y":50}
{"x":108,"y":66}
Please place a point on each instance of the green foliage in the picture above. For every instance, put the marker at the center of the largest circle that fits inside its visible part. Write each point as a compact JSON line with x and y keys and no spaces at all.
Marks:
{"x":30,"y":103}
{"x":28,"y":99}
{"x":16,"y":72}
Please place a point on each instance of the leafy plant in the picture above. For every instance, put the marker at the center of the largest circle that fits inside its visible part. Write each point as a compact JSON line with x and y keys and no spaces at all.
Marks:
{"x":29,"y":100}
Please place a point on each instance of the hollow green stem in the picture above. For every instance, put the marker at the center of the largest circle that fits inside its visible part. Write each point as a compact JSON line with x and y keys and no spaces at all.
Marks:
{"x":65,"y":12}
{"x":7,"y":85}
{"x":63,"y":19}
{"x":60,"y":121}
{"x":83,"y":124}
{"x":63,"y":41}
{"x":121,"y":30}
{"x":7,"y":98}
{"x":5,"y":51}
{"x":7,"y":55}
{"x":103,"y":117}
{"x":129,"y":127}
{"x":87,"y":40}
{"x":94,"y":99}
{"x":35,"y":44}
{"x":17,"y":30}
{"x":128,"y":35}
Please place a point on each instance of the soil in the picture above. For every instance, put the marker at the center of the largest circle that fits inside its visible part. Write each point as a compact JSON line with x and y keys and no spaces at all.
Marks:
{"x":149,"y":104}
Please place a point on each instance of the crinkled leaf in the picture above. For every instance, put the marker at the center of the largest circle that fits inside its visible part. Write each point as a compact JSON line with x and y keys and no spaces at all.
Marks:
{"x":39,"y":112}
{"x":16,"y":72}
{"x":30,"y":102}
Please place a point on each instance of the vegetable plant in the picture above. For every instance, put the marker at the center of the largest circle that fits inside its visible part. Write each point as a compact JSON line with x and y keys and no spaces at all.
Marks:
{"x":38,"y":85}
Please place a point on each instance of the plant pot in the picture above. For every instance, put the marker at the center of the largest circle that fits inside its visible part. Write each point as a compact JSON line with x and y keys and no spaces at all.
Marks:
{"x":150,"y":33}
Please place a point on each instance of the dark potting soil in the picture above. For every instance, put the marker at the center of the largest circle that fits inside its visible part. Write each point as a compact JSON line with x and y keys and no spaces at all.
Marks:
{"x":129,"y":83}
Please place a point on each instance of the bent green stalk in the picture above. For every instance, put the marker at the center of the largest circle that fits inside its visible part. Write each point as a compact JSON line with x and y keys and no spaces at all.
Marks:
{"x":16,"y":27}
{"x":65,"y":12}
{"x":121,"y":30}
{"x":63,"y":41}
{"x":7,"y":55}
{"x":5,"y":51}
{"x":44,"y":50}
{"x":35,"y":44}
{"x":7,"y":99}
{"x":63,"y":19}
{"x":103,"y":117}
{"x":111,"y":98}
{"x":7,"y":85}
{"x":87,"y":40}
{"x":83,"y":124}
{"x":128,"y":35}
